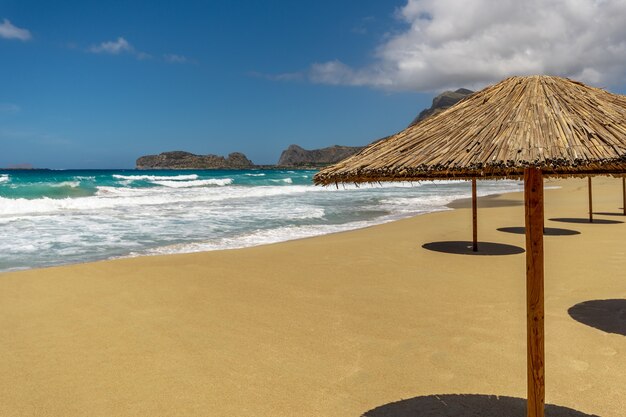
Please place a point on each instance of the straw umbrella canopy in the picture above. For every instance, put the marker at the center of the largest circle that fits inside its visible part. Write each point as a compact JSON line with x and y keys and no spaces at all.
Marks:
{"x":523,"y":127}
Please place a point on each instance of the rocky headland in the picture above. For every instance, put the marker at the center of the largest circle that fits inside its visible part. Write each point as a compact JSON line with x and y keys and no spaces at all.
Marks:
{"x":296,"y":156}
{"x":442,"y":102}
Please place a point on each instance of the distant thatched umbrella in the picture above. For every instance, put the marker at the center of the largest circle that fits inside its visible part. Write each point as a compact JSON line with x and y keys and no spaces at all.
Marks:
{"x":527,"y":127}
{"x":591,"y":198}
{"x":624,"y":195}
{"x":589,"y":189}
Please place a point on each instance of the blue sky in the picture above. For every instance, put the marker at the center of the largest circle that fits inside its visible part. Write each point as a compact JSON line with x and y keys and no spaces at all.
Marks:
{"x":96,"y":84}
{"x":206,"y":84}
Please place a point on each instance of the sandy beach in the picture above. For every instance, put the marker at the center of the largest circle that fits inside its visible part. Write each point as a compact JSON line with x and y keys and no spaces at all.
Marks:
{"x":336,"y":325}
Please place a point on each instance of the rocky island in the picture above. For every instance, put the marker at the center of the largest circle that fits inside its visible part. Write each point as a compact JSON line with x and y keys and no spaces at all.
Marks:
{"x":187,"y":160}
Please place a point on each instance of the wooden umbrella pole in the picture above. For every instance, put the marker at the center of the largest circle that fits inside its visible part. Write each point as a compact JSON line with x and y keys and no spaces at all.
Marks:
{"x":533,"y":196}
{"x":624,"y":195}
{"x":474,"y":218}
{"x":590,"y":201}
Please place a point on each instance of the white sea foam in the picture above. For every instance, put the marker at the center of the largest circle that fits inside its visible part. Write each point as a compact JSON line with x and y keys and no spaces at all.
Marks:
{"x":72,"y":184}
{"x":285,"y":180}
{"x":104,"y":191}
{"x":4,"y":178}
{"x":120,"y":197}
{"x":259,"y":237}
{"x":196,"y":183}
{"x":156,"y":177}
{"x":118,"y":221}
{"x":255,"y":175}
{"x":427,"y":202}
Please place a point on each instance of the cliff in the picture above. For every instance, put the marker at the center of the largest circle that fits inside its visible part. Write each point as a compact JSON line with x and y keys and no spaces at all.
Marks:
{"x":442,"y":102}
{"x":186,"y":160}
{"x":295,"y":156}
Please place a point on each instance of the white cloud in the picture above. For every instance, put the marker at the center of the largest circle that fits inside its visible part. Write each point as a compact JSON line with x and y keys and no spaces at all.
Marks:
{"x":143,"y":56}
{"x":121,"y":45}
{"x":112,"y":47}
{"x":175,"y":59}
{"x":448,"y":44}
{"x":8,"y":31}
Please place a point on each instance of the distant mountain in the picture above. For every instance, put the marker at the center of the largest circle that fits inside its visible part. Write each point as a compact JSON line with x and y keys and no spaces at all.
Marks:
{"x":186,"y":160}
{"x":442,"y":102}
{"x":295,"y":156}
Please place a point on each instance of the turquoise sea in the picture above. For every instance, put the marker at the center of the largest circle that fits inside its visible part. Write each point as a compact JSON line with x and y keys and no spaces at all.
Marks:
{"x":60,"y":217}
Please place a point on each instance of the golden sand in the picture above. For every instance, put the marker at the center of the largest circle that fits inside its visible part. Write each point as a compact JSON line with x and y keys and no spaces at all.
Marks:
{"x":329,"y":326}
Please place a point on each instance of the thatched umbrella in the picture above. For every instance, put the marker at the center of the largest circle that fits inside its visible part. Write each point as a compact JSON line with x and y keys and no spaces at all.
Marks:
{"x":522,"y":127}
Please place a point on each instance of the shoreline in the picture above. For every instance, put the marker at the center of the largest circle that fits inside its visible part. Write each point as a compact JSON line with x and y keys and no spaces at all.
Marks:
{"x":84,"y":216}
{"x":485,"y":201}
{"x":332,"y":325}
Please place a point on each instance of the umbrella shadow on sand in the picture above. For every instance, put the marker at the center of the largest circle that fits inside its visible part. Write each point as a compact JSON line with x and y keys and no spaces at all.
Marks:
{"x":606,"y":213}
{"x":547,"y":231}
{"x":465,"y":405}
{"x":606,"y":315}
{"x":462,"y":247}
{"x":584,"y":220}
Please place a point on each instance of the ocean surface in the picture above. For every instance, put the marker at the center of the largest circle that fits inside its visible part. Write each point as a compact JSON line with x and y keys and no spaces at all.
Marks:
{"x":61,"y":217}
